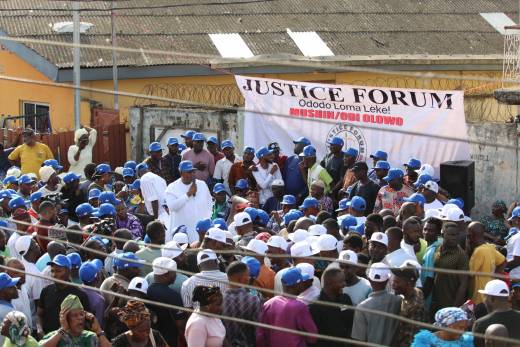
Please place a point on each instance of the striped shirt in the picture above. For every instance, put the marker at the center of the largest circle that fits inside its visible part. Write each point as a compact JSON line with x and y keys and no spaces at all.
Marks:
{"x":203,"y":278}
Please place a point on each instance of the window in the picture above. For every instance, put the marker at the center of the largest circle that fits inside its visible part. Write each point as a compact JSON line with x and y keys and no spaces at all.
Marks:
{"x":36,"y":115}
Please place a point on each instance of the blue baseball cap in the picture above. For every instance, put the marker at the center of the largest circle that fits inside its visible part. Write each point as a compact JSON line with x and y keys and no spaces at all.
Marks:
{"x":360,"y":229}
{"x":136,"y":185}
{"x":310,"y":202}
{"x":343,"y":205}
{"x":219,"y":188}
{"x":417,"y":198}
{"x":358,"y":203}
{"x":155,"y":147}
{"x":100,"y":239}
{"x":241,"y":184}
{"x":302,"y":140}
{"x":253,"y":266}
{"x":212,"y":139}
{"x":291,"y":215}
{"x":105,"y":210}
{"x":203,"y":225}
{"x":89,"y":270}
{"x":188,"y":134}
{"x":262,"y":152}
{"x":5,"y":194}
{"x":198,"y":137}
{"x":3,"y":223}
{"x":292,"y":276}
{"x":308,"y":151}
{"x":61,"y":260}
{"x":186,"y":165}
{"x":75,"y":259}
{"x":53,"y":163}
{"x":414,"y":164}
{"x":9,"y":180}
{"x":7,"y":282}
{"x":422,"y":179}
{"x":393,"y":174}
{"x":172,"y":141}
{"x":70,"y":177}
{"x":336,"y":140}
{"x":263,"y":217}
{"x":252,"y":212}
{"x":128,"y":172}
{"x":130,"y":164}
{"x":182,"y":147}
{"x":351,"y":152}
{"x":379,"y":155}
{"x":288,"y":200}
{"x":17,"y":202}
{"x":141,"y":167}
{"x":348,"y":222}
{"x":226,"y":144}
{"x":35,"y":196}
{"x":103,"y":169}
{"x":122,"y":261}
{"x":25,"y":179}
{"x":94,"y":194}
{"x":84,"y":209}
{"x":107,"y":197}
{"x":220,"y":223}
{"x":382,"y":165}
{"x":515,"y":213}
{"x":249,"y":149}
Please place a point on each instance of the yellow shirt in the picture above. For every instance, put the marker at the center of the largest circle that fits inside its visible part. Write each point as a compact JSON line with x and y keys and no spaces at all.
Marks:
{"x":485,"y":258}
{"x":31,"y":158}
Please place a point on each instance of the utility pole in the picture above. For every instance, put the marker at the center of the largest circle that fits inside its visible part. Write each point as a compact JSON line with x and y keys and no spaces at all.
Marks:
{"x":77,"y":62}
{"x":114,"y":58}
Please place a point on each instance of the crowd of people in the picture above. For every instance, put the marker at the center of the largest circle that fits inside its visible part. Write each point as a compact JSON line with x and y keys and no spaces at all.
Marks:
{"x":203,"y":247}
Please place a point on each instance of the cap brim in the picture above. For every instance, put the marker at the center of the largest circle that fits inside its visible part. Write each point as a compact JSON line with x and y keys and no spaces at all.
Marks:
{"x":483,"y":291}
{"x":56,"y":264}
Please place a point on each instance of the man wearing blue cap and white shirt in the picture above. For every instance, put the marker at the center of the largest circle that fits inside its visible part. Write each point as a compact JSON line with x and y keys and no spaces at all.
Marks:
{"x":25,"y":186}
{"x":377,"y":156}
{"x":154,"y":160}
{"x":392,"y":195}
{"x":8,"y":292}
{"x":294,"y":182}
{"x":202,"y":160}
{"x":170,"y":162}
{"x":266,"y":173}
{"x":153,"y":189}
{"x":189,"y":201}
{"x":333,"y":163}
{"x":223,"y":166}
{"x":312,"y":171}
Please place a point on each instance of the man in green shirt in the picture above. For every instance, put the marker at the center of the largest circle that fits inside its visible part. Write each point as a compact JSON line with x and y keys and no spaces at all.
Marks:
{"x":312,"y":171}
{"x":156,"y":232}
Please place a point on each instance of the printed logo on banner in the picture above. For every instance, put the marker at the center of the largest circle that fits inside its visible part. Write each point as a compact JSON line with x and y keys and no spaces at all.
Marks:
{"x":352,"y":136}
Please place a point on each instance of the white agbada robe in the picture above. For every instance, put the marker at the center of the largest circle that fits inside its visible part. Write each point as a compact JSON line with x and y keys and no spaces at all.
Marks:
{"x":186,"y":210}
{"x":153,"y":188}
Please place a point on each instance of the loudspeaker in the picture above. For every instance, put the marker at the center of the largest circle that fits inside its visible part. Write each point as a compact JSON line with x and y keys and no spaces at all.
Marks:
{"x":458,"y":178}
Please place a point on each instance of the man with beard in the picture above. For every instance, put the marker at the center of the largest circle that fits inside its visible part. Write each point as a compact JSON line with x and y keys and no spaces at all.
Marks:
{"x":202,"y":159}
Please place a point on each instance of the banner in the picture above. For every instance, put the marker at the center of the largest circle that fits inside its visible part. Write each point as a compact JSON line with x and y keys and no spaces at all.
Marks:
{"x":401,"y":122}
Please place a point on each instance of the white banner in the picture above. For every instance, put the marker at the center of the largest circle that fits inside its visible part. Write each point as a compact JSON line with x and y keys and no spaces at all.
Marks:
{"x":400,"y":122}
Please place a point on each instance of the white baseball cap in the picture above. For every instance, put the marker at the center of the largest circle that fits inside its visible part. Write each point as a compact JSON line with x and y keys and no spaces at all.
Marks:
{"x":432,"y":213}
{"x":348,"y":256}
{"x":299,"y":235}
{"x":307,"y":270}
{"x":326,"y":242}
{"x":317,"y":230}
{"x":257,"y":246}
{"x":432,"y":185}
{"x":14,"y":171}
{"x":139,"y":284}
{"x":379,"y":272}
{"x":241,"y":218}
{"x":301,"y":249}
{"x":182,"y":239}
{"x":278,"y":242}
{"x":426,"y":169}
{"x":205,"y":255}
{"x":216,"y":234}
{"x":171,"y":250}
{"x":163,"y":265}
{"x":495,"y":288}
{"x":379,"y":237}
{"x":45,"y":173}
{"x":453,"y":214}
{"x":23,"y":244}
{"x":278,"y":183}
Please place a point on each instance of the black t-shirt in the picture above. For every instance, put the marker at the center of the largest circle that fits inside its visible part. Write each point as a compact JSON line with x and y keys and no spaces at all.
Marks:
{"x":334,"y":166}
{"x":166,"y":317}
{"x":123,"y":340}
{"x":366,"y":191}
{"x":51,"y":298}
{"x":332,"y":321}
{"x":75,"y":198}
{"x":510,"y":319}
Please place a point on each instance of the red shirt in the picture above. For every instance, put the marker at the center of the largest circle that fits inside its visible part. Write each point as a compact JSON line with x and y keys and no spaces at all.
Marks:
{"x":41,"y":232}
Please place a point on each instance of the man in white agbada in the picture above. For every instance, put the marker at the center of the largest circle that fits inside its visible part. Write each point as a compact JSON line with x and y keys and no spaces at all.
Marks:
{"x":189,"y":200}
{"x":80,"y":154}
{"x":153,"y":188}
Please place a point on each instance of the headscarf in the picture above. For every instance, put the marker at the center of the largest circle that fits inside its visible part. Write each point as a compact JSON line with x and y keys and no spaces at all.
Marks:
{"x":71,"y":302}
{"x":133,"y":314}
{"x":19,"y":329}
{"x":78,"y":133}
{"x":449,"y":315}
{"x":501,"y":204}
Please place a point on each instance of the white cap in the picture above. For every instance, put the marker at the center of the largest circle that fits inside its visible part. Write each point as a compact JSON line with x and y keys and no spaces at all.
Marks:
{"x":257,"y":246}
{"x":299,"y":235}
{"x":348,"y":256}
{"x":432,"y":213}
{"x":216,"y":234}
{"x":241,"y":218}
{"x":171,"y":250}
{"x":379,"y":237}
{"x":32,"y":175}
{"x":326,"y":242}
{"x":426,"y":169}
{"x":45,"y":173}
{"x":379,"y":272}
{"x":307,"y":270}
{"x":119,"y":170}
{"x":432,"y":185}
{"x":181,"y":239}
{"x":23,"y":244}
{"x":228,"y":235}
{"x":495,"y":288}
{"x":163,"y":265}
{"x":231,"y":229}
{"x":205,"y":255}
{"x":453,"y":214}
{"x":317,"y":230}
{"x":278,"y":183}
{"x":139,"y":284}
{"x":14,"y":171}
{"x":278,"y":242}
{"x":301,"y":249}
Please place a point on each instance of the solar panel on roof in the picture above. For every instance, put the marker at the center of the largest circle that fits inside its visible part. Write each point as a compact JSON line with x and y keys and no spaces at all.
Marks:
{"x":231,"y":46}
{"x":310,"y":44}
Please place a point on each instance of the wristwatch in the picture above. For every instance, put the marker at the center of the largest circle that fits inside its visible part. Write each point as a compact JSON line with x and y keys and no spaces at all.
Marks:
{"x":101,"y":333}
